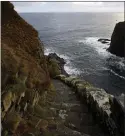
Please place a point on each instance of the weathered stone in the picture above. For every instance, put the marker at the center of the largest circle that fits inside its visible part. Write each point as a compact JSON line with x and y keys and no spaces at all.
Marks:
{"x":53,"y":67}
{"x":7,"y":99}
{"x":59,"y":61}
{"x":76,"y":81}
{"x":61,"y":77}
{"x":12,"y":121}
{"x":98,"y":100}
{"x":68,"y":80}
{"x":104,"y":41}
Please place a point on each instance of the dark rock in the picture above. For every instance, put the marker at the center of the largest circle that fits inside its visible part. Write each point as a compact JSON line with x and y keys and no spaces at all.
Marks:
{"x":118,"y":112}
{"x":55,"y":56}
{"x":117,"y":45}
{"x":104,"y":41}
{"x":60,"y":61}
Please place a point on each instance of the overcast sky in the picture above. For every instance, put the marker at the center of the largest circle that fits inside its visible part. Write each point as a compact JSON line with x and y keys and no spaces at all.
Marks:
{"x":69,"y":6}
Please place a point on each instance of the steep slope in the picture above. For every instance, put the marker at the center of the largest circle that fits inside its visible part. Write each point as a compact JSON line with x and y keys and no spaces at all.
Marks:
{"x":117,"y":45}
{"x":22,"y":52}
{"x":25,"y":77}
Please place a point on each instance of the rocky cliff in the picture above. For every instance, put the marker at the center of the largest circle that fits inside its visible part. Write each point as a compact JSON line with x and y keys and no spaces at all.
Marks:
{"x":117,"y":45}
{"x":25,"y":77}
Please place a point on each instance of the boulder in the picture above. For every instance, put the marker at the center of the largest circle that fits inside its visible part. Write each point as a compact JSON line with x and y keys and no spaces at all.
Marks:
{"x":117,"y":45}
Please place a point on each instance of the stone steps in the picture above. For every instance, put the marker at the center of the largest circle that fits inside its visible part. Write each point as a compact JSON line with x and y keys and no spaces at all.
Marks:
{"x":77,"y":120}
{"x":100,"y":103}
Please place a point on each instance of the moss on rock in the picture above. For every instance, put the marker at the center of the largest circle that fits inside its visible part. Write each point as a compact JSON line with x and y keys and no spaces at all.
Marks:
{"x":53,"y":68}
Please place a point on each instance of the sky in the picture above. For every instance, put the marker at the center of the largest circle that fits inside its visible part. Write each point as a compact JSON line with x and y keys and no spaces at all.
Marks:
{"x":69,"y":6}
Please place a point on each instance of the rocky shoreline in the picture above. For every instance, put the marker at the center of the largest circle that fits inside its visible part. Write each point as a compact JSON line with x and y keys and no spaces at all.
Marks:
{"x":106,"y":108}
{"x":60,"y":62}
{"x":28,"y":90}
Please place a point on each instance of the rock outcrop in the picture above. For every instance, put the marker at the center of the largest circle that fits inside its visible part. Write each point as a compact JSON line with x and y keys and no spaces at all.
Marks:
{"x":25,"y":77}
{"x":117,"y":45}
{"x":55,"y":65}
{"x":107,"y":109}
{"x":104,"y":41}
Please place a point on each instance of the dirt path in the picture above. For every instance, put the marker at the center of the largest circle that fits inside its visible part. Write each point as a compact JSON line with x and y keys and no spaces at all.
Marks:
{"x":75,"y":117}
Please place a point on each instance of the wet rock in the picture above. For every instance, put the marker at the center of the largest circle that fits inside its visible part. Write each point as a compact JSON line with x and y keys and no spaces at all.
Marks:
{"x":80,"y":87}
{"x":104,"y":41}
{"x":60,"y":62}
{"x":55,"y":56}
{"x":76,"y":81}
{"x":42,"y":124}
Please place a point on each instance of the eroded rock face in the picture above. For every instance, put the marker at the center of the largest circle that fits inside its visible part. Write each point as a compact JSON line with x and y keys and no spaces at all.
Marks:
{"x":25,"y":76}
{"x":117,"y":45}
{"x":20,"y":50}
{"x":55,"y":65}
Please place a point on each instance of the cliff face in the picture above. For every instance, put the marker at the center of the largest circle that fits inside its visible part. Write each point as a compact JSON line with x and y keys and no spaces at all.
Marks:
{"x":117,"y":45}
{"x":25,"y":78}
{"x":22,"y":53}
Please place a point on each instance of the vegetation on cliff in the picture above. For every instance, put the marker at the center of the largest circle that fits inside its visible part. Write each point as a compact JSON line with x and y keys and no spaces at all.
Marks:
{"x":26,"y":85}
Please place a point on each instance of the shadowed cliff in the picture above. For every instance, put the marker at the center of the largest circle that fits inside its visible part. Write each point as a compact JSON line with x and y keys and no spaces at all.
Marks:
{"x":117,"y":45}
{"x":25,"y":77}
{"x":22,"y":53}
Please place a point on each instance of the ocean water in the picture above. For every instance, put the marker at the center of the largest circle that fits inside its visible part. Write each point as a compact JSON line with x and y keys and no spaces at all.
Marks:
{"x":74,"y":36}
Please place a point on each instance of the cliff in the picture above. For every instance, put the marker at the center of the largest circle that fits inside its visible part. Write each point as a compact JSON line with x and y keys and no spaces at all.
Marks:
{"x":117,"y":45}
{"x":25,"y":76}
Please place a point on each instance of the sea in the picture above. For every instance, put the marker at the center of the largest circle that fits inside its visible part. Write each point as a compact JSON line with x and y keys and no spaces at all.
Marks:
{"x":74,"y":37}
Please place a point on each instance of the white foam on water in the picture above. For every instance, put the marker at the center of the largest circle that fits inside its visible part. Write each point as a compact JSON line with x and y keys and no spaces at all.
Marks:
{"x":70,"y":69}
{"x":117,"y":74}
{"x":67,"y":67}
{"x":98,"y":46}
{"x":47,"y":51}
{"x":101,"y":50}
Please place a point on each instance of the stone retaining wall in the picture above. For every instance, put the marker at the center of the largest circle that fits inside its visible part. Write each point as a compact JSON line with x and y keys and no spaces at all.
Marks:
{"x":106,"y":108}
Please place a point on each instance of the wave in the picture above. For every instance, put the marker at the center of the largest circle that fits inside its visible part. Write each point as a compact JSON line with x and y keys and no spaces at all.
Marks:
{"x":68,"y":66}
{"x":47,"y":51}
{"x":101,"y":49}
{"x":116,"y":74}
{"x":98,"y":46}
